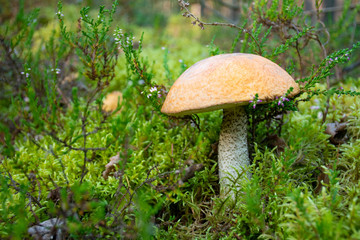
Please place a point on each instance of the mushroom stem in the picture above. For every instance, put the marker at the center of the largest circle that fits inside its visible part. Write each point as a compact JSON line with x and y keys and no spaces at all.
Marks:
{"x":233,"y":149}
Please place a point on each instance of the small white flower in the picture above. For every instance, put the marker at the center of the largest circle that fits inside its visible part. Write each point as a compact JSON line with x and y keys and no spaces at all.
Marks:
{"x":56,"y":70}
{"x":180,"y":61}
{"x":163,"y":48}
{"x":315,"y":107}
{"x":59,"y":13}
{"x":320,"y":115}
{"x":153,"y":89}
{"x":149,"y":95}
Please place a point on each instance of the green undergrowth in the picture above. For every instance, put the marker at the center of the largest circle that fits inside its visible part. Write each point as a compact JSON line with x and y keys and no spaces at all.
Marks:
{"x":280,"y":201}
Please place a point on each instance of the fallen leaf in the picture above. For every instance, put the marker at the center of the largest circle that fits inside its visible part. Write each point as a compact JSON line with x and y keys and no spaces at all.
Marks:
{"x":54,"y":195}
{"x":322,"y":178}
{"x":190,"y":172}
{"x":275,"y":141}
{"x":337,"y":132}
{"x":110,"y":167}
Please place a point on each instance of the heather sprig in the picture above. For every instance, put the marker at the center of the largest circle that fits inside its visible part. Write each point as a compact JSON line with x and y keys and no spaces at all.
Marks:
{"x":324,"y":69}
{"x":255,"y":101}
{"x":139,"y":70}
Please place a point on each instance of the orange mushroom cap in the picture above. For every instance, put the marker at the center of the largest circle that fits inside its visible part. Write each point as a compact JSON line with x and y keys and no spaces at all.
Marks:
{"x":225,"y":81}
{"x":111,"y":101}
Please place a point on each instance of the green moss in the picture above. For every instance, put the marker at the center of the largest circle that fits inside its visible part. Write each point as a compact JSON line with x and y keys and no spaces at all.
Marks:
{"x":308,"y":191}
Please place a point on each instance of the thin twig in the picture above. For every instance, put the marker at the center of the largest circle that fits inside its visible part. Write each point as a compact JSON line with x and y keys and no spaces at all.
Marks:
{"x":65,"y":144}
{"x":15,"y":186}
{"x":184,"y":6}
{"x":83,"y":168}
{"x":329,"y":9}
{"x":51,"y":151}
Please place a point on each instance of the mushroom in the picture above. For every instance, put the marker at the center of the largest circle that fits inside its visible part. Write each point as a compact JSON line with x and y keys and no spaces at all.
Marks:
{"x":112,"y":101}
{"x":229,"y":82}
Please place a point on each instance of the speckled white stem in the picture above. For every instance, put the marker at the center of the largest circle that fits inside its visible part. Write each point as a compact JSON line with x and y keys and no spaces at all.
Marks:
{"x":233,"y":149}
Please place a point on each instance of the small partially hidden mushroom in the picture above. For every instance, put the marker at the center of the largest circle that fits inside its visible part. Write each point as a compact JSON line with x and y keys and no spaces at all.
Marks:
{"x":112,"y":101}
{"x":229,"y":82}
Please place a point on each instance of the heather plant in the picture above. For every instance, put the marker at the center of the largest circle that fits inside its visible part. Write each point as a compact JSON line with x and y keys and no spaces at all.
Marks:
{"x":136,"y":173}
{"x":59,"y":127}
